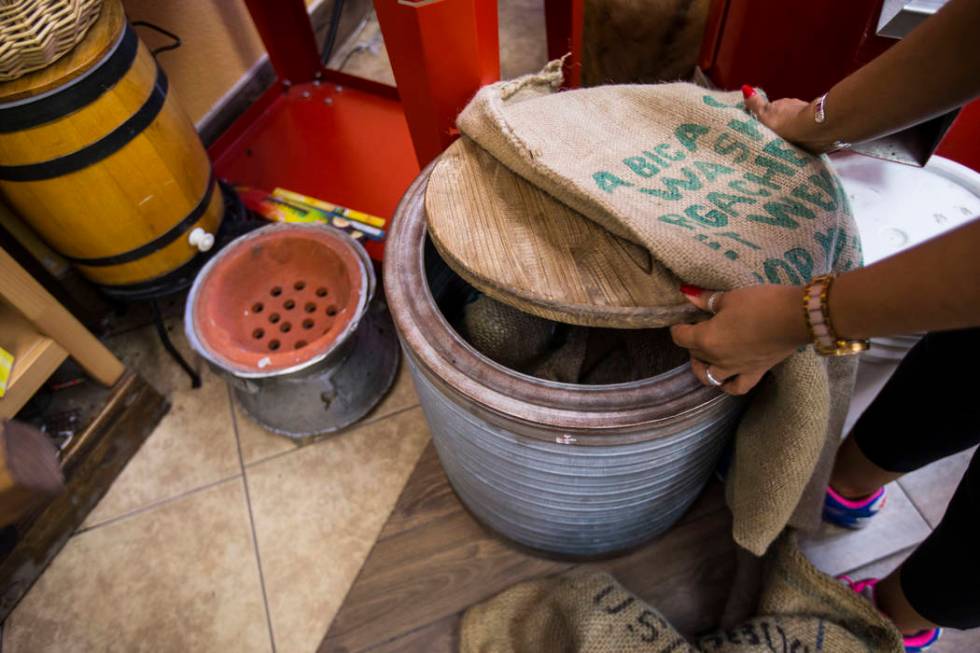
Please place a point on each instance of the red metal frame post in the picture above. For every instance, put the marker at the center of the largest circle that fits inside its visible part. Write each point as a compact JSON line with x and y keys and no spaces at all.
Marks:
{"x":742,"y":35}
{"x":563,"y":21}
{"x":441,"y":52}
{"x":287,"y":34}
{"x":713,"y":28}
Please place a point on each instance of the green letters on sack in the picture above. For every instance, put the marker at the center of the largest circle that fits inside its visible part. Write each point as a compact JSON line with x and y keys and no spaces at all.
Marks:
{"x":690,"y":182}
{"x":688,"y":135}
{"x":607,"y":181}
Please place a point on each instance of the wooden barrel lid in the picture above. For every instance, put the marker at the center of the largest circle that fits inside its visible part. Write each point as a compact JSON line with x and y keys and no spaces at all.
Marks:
{"x":520,"y":246}
{"x":100,"y":39}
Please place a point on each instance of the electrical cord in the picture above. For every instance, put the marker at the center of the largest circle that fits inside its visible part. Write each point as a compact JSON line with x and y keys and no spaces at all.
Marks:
{"x":163,"y":48}
{"x":328,"y":43}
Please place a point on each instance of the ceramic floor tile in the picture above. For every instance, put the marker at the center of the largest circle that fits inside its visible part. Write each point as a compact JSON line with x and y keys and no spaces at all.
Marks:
{"x":193,"y":445}
{"x":931,"y":487}
{"x":142,"y":350}
{"x":898,"y":526}
{"x":952,"y":641}
{"x":523,"y":38}
{"x":365,"y":56}
{"x":258,"y":444}
{"x":317,"y":514}
{"x":182,"y":577}
{"x":880,"y":568}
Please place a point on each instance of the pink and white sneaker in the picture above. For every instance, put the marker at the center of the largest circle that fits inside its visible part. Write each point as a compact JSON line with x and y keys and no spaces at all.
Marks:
{"x":849,"y":513}
{"x":916,"y":643}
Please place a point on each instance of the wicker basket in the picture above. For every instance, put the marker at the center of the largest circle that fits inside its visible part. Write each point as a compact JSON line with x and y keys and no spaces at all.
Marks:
{"x":35,"y":33}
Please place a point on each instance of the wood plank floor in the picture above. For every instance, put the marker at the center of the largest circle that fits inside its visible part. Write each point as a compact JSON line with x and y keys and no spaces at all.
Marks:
{"x":433,"y":560}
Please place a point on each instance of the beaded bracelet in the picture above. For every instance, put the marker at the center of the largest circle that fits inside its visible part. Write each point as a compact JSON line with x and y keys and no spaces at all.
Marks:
{"x":816,"y":310}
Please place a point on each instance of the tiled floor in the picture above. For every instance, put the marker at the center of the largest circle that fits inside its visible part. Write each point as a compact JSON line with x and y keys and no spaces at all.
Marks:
{"x":219,"y":536}
{"x":898,"y":527}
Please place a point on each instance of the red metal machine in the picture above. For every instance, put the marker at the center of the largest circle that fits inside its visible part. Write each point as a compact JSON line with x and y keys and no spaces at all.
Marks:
{"x":355,"y":142}
{"x":359,"y":144}
{"x":349,"y":140}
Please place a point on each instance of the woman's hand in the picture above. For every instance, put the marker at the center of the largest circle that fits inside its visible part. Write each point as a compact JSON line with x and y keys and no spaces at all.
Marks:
{"x":752,"y":330}
{"x":790,"y":118}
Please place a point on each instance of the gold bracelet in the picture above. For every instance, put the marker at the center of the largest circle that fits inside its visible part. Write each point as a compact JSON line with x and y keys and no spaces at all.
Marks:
{"x":816,"y":310}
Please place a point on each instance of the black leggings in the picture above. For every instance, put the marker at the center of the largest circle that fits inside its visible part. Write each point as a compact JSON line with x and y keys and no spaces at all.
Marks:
{"x":928,"y":410}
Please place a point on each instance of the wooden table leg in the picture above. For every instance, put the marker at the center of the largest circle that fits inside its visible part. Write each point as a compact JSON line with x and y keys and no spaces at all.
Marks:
{"x":52,"y":319}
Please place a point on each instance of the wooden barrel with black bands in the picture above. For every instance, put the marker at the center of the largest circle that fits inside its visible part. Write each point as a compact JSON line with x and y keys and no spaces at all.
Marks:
{"x":98,"y":157}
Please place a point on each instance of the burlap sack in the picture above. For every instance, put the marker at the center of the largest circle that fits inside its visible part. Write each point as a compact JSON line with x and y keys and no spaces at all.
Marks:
{"x":621,"y":356}
{"x":683,"y":171}
{"x":719,"y":200}
{"x":801,"y":611}
{"x":562,"y":352}
{"x":504,"y":334}
{"x":576,"y":612}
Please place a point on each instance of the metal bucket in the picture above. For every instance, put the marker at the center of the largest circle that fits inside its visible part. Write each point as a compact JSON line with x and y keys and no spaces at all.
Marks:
{"x":300,"y":338}
{"x":564,"y":468}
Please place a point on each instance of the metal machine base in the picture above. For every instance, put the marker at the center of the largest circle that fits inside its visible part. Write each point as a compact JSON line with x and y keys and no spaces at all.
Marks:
{"x":335,"y":394}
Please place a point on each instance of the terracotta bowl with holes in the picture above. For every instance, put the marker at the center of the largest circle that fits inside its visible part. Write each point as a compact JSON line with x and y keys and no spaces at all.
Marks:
{"x":286,"y":314}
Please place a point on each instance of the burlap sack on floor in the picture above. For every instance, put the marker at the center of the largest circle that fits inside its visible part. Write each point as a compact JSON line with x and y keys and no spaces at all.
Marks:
{"x":801,"y":611}
{"x":722,"y":202}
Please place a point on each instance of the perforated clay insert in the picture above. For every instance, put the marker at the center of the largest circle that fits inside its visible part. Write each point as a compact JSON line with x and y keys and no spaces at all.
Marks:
{"x":279,"y":299}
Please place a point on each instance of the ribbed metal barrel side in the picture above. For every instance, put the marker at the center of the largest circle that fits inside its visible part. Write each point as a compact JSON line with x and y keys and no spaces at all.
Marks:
{"x":565,"y":468}
{"x":568,"y":499}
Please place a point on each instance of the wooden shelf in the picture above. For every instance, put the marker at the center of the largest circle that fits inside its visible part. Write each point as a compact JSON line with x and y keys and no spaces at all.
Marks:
{"x":36,"y":357}
{"x":40,"y":333}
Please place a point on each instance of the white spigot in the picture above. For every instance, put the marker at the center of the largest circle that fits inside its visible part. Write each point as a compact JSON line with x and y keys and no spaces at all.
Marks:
{"x":201,"y":239}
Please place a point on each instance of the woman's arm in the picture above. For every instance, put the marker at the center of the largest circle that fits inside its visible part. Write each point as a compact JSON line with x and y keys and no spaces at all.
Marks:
{"x":931,"y":287}
{"x":935,"y":69}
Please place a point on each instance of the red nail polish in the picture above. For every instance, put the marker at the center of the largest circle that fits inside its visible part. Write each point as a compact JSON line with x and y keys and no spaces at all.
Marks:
{"x":747,"y":91}
{"x":691,"y":291}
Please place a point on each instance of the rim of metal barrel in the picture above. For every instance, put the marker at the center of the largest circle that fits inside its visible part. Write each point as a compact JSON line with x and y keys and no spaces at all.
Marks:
{"x":365,"y":292}
{"x":592,"y":412}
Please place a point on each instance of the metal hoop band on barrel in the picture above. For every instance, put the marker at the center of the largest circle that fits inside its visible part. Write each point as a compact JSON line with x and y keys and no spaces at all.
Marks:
{"x":182,"y":277}
{"x":102,"y":148}
{"x":47,"y":107}
{"x":158,"y":243}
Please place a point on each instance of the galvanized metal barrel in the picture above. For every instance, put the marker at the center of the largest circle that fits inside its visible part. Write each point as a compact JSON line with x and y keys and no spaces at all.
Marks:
{"x":564,"y":468}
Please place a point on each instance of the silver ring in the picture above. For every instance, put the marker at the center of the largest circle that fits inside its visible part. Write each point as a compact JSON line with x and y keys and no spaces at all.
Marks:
{"x":711,"y":377}
{"x":714,"y":300}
